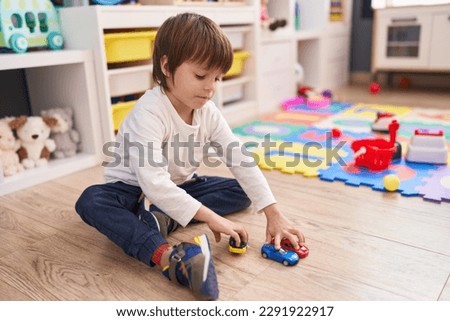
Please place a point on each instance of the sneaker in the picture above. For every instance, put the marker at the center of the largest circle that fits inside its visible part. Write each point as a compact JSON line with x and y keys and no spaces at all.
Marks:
{"x":164,"y":223}
{"x":191,"y":265}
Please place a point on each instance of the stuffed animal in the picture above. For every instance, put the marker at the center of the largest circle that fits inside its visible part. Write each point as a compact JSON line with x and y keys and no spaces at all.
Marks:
{"x":9,"y":160}
{"x":35,"y":145}
{"x":266,"y":21}
{"x":66,"y":138}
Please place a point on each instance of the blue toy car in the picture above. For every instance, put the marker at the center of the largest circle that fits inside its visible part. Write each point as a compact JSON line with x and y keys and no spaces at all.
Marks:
{"x":268,"y":251}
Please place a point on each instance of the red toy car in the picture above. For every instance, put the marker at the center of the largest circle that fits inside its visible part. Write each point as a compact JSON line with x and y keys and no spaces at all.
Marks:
{"x":302,"y":251}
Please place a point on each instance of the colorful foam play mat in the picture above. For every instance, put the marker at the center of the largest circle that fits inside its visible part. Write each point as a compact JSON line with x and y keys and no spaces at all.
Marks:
{"x":389,"y":148}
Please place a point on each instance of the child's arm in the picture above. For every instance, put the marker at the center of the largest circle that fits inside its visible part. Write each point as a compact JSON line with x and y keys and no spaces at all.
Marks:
{"x":219,"y":224}
{"x":279,"y":227}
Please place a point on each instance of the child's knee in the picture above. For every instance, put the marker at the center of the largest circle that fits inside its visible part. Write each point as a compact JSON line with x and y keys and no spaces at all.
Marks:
{"x":87,"y":200}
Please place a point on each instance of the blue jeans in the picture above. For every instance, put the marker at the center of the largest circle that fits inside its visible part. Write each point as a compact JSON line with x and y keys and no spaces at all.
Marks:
{"x":113,"y":209}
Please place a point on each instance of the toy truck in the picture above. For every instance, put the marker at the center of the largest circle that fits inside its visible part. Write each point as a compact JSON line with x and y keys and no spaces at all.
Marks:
{"x":427,"y":147}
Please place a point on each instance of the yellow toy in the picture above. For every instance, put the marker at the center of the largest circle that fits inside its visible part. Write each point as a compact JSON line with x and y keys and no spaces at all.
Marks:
{"x":391,"y":182}
{"x":233,"y":248}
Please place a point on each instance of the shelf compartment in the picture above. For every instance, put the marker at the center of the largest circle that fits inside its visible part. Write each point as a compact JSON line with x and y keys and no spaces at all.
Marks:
{"x":43,"y":59}
{"x":120,"y":111}
{"x":126,"y":81}
{"x":237,"y":67}
{"x":54,"y":169}
{"x":192,"y":2}
{"x":233,"y":93}
{"x":129,"y":46}
{"x":240,"y":112}
{"x":60,"y":79}
{"x":236,"y":35}
{"x":233,"y":90}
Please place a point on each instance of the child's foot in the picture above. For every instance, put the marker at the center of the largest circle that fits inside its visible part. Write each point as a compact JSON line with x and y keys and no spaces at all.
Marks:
{"x":164,"y":223}
{"x":192,"y":266}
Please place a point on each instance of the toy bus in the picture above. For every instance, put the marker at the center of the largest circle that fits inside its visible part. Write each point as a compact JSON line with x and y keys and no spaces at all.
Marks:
{"x":29,"y":23}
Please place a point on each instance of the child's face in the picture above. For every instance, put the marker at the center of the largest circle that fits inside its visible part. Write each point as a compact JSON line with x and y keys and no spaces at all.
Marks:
{"x":192,"y":85}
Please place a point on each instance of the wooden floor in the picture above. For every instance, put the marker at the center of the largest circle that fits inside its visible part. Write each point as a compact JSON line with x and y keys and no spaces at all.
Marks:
{"x":365,"y":245}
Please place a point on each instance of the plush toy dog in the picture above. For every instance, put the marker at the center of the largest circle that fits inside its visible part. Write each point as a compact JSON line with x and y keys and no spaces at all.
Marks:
{"x":9,"y":160}
{"x":35,"y":145}
{"x":66,"y":138}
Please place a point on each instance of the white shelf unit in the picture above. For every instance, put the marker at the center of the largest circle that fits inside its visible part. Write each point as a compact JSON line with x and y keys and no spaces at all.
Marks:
{"x":84,"y":28}
{"x":320,"y":46}
{"x":63,"y":78}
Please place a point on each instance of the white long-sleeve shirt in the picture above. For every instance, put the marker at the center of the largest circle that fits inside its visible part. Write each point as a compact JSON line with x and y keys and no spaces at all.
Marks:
{"x":156,"y":150}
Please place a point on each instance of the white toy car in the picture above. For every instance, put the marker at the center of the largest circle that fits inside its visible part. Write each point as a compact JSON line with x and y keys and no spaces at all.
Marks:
{"x":427,"y":147}
{"x":381,"y":124}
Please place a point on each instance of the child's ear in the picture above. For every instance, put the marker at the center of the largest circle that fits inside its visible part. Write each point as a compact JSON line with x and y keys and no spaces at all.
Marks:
{"x":164,"y":66}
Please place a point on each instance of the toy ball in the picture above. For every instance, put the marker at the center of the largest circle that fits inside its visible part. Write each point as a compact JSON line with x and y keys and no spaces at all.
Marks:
{"x":327,"y":93}
{"x":336,"y":133}
{"x":404,"y":83}
{"x":391,"y":182}
{"x":374,"y":88}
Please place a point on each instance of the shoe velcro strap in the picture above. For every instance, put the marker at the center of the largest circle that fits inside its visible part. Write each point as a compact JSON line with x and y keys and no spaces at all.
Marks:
{"x":174,"y":260}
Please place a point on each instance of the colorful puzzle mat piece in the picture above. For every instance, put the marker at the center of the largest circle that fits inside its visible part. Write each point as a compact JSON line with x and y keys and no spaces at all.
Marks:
{"x":430,"y":115}
{"x":370,"y":111}
{"x":296,"y":118}
{"x":407,"y":128}
{"x":348,"y":123}
{"x":437,"y":187}
{"x":261,"y":129}
{"x":305,"y":151}
{"x":359,"y":117}
{"x":410,"y":175}
{"x":298,"y":104}
{"x":291,"y":158}
{"x":324,"y":138}
{"x":297,"y":112}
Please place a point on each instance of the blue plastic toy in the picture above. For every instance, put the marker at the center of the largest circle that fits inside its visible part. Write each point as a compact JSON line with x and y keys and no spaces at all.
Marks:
{"x":286,"y":257}
{"x":29,"y":23}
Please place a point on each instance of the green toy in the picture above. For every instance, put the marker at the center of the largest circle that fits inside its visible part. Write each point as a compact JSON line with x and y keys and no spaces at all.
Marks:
{"x":29,"y":23}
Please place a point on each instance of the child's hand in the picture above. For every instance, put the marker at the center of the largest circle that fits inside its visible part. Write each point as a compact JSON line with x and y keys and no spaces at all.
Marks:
{"x":278,"y":227}
{"x":219,"y":224}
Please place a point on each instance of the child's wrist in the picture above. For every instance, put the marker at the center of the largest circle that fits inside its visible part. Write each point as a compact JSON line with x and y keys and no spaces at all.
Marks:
{"x":204,"y":214}
{"x":271,"y":211}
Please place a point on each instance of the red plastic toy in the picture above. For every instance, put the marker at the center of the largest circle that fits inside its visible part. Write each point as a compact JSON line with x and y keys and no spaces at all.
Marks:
{"x":302,"y":251}
{"x":305,"y":91}
{"x":376,"y":153}
{"x":404,"y":83}
{"x":336,"y":133}
{"x":374,"y":88}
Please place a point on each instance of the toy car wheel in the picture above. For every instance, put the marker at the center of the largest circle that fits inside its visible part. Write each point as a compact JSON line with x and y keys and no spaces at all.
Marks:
{"x":285,"y":263}
{"x":18,"y":43}
{"x":55,"y":40}
{"x":264,"y":255}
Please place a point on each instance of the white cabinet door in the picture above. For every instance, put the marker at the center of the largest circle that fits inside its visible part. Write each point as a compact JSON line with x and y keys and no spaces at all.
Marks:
{"x":440,"y":42}
{"x":277,"y":81}
{"x":276,"y":56}
{"x":275,"y":88}
{"x":402,"y":41}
